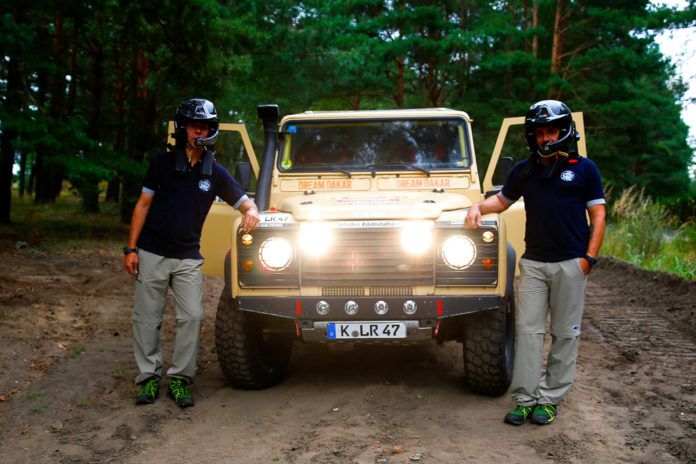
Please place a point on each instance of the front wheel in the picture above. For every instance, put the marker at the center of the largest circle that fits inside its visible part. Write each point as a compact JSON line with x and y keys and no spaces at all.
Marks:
{"x":489,"y":349}
{"x":253,"y":350}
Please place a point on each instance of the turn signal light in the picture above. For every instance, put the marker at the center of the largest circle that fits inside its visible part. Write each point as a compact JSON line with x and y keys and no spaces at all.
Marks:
{"x":487,"y":263}
{"x":248,"y":265}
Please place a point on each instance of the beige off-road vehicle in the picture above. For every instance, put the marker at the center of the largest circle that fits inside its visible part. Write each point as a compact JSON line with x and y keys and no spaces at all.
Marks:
{"x":362,"y":239}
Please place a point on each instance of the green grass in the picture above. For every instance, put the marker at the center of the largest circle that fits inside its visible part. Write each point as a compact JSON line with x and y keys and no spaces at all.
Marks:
{"x":63,"y":228}
{"x":643,"y":232}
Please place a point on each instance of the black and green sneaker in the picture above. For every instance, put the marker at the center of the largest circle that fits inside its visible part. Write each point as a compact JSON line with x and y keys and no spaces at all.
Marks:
{"x":179,"y":392}
{"x":544,"y":414}
{"x":519,"y":415}
{"x":149,"y":390}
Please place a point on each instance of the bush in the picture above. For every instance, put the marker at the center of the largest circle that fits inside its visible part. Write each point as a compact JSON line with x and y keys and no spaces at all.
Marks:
{"x":645,"y":233}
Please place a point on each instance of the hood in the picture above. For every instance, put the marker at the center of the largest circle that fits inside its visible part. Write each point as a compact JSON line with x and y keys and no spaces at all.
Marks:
{"x":385,"y":205}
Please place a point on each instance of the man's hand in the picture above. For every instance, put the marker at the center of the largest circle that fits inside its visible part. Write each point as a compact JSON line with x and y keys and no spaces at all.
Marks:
{"x":473,"y":217}
{"x":131,"y":263}
{"x":250,"y":218}
{"x":493,"y":204}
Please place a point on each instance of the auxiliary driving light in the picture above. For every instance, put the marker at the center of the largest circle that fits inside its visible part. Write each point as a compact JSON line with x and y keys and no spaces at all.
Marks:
{"x":323,"y":308}
{"x":315,"y":237}
{"x":416,"y":237}
{"x":351,"y":307}
{"x":381,"y":307}
{"x":410,"y":307}
{"x":458,"y":252}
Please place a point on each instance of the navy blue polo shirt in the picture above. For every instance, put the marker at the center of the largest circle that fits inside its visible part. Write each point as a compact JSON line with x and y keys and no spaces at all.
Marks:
{"x":556,"y":228}
{"x":180,"y":204}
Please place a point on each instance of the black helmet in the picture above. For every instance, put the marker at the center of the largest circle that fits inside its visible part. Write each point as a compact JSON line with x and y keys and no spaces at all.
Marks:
{"x":196,"y":109}
{"x":551,"y":113}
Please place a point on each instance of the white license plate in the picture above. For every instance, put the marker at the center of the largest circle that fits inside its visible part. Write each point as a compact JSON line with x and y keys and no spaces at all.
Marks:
{"x":351,"y":330}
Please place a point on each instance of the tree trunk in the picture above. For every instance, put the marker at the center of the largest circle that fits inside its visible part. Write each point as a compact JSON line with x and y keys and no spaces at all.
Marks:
{"x":559,"y":31}
{"x":89,"y":182}
{"x":140,"y":133}
{"x":399,"y":97}
{"x":535,"y":24}
{"x":50,"y":171}
{"x":7,"y":153}
{"x":22,"y":173}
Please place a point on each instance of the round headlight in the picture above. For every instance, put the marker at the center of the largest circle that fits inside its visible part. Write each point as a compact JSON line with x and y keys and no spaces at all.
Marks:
{"x":275,"y":253}
{"x":416,"y":237}
{"x":315,"y":237}
{"x":458,"y":252}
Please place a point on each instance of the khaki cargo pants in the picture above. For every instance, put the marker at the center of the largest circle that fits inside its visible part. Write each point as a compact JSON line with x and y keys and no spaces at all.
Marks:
{"x":558,"y":288}
{"x":155,"y":275}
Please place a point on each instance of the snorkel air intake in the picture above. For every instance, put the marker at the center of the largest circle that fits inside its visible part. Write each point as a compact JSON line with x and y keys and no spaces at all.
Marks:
{"x":269,"y":115}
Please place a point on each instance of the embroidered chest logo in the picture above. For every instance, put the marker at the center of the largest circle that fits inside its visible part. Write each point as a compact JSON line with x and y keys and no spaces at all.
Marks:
{"x":567,"y":176}
{"x":204,"y":184}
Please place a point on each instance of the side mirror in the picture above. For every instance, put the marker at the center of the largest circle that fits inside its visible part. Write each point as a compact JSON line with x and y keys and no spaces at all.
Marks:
{"x":242,"y":174}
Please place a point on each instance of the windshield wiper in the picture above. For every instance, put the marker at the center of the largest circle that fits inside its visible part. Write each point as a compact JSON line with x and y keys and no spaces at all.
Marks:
{"x":410,"y":167}
{"x":338,"y":169}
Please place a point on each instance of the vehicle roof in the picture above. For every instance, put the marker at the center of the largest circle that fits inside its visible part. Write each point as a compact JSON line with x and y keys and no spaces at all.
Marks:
{"x":372,"y":114}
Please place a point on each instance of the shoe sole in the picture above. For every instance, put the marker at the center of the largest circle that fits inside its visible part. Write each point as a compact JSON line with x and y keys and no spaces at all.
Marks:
{"x":513,"y":422}
{"x":169,"y":395}
{"x":542,"y":421}
{"x":145,"y":399}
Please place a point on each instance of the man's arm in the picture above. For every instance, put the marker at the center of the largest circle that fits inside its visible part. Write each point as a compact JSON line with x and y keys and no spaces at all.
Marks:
{"x":493,"y":204}
{"x":136,"y":226}
{"x":598,"y":222}
{"x":250,"y":215}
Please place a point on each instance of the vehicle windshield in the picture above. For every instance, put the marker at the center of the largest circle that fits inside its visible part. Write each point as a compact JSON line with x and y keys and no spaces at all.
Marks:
{"x":375,"y":145}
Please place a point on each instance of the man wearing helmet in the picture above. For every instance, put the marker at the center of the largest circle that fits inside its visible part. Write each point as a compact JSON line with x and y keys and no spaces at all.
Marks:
{"x":559,"y":189}
{"x":178,"y":190}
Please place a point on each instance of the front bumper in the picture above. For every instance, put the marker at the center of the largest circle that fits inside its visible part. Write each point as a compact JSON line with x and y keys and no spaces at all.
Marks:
{"x":427,"y":307}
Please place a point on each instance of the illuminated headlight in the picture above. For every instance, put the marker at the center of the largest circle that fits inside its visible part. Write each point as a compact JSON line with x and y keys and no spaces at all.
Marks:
{"x":458,"y":252}
{"x":416,"y":237}
{"x":315,"y":237}
{"x":275,"y":253}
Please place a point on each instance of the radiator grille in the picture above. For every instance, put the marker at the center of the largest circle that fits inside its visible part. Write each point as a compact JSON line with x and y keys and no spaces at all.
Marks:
{"x":391,"y":291}
{"x":343,"y":291}
{"x":367,"y":256}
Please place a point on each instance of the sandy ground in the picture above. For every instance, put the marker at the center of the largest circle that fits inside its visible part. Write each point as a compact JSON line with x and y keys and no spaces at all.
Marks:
{"x":66,"y":384}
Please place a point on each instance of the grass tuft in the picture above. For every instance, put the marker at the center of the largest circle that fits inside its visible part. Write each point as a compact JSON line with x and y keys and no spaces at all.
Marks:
{"x":644,"y":232}
{"x":62,"y":227}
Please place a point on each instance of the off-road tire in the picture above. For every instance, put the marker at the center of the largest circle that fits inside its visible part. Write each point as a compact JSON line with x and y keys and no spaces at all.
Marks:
{"x":252,"y":351}
{"x":489,"y":348}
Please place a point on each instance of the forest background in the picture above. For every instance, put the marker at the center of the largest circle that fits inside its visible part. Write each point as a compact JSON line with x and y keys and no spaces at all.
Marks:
{"x":88,"y":86}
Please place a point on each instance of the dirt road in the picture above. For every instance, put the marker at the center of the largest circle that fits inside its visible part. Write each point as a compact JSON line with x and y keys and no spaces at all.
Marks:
{"x":66,"y":391}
